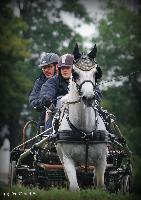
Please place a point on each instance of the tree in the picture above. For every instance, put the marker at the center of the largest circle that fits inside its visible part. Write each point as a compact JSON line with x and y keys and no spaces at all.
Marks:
{"x":13,"y":81}
{"x":38,"y":27}
{"x":119,"y":47}
{"x":47,"y":31}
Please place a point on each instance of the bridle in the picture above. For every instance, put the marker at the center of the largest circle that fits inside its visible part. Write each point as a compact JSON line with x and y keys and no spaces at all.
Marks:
{"x":80,"y":86}
{"x":79,"y":90}
{"x":78,"y":101}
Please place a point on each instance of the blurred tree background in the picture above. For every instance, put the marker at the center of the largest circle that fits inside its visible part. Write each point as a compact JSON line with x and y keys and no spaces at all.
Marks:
{"x":28,"y":28}
{"x":119,"y":53}
{"x":14,"y":83}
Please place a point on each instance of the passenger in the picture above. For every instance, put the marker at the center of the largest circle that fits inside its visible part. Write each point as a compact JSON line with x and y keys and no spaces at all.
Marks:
{"x":49,"y":66}
{"x":56,"y":87}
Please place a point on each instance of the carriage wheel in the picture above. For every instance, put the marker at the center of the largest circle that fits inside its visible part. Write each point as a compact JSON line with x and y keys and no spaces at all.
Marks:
{"x":127,"y":184}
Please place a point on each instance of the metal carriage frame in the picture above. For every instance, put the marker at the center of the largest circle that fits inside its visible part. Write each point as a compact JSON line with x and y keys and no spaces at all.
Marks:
{"x":39,"y":165}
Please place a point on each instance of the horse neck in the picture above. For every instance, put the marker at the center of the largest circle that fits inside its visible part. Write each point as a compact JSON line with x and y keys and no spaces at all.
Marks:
{"x":82,"y":117}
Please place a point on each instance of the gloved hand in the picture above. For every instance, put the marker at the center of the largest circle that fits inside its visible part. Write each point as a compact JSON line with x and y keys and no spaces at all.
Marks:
{"x":39,"y":107}
{"x":46,"y":102}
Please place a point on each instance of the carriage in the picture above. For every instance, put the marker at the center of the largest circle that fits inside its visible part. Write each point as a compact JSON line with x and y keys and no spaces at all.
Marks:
{"x":39,"y":165}
{"x":81,"y":146}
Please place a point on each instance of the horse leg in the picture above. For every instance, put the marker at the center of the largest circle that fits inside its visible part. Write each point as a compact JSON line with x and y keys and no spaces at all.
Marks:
{"x":70,"y":170}
{"x":100,"y":170}
{"x":94,"y":178}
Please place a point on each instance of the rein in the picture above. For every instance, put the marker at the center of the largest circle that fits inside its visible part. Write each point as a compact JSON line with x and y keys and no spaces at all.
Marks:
{"x":130,"y":76}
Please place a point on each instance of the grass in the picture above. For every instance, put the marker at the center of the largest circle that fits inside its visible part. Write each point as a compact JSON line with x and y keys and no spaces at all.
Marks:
{"x":22,"y":193}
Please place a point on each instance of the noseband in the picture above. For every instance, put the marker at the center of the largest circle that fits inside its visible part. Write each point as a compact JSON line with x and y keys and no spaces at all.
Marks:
{"x":80,"y":86}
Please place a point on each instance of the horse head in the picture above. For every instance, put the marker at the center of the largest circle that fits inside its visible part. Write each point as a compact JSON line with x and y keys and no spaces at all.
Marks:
{"x":85,"y":74}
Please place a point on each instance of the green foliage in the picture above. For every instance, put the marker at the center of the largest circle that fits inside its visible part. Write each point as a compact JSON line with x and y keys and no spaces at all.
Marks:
{"x":13,"y":81}
{"x":46,"y":28}
{"x":73,"y":6}
{"x":47,"y":31}
{"x":38,"y":28}
{"x":119,"y":47}
{"x":120,"y":40}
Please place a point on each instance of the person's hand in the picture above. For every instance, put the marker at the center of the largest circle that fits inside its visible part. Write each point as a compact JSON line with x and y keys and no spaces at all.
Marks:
{"x":39,"y":108}
{"x":46,"y":102}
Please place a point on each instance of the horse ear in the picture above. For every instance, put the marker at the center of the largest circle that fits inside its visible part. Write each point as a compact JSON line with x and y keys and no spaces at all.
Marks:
{"x":92,"y":54}
{"x":76,"y":52}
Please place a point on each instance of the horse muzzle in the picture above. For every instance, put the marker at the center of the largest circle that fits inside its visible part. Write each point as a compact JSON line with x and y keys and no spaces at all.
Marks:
{"x":88,"y":101}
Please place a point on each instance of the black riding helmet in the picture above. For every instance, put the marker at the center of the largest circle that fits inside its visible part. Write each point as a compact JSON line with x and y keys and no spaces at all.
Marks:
{"x":48,"y":58}
{"x":65,"y":60}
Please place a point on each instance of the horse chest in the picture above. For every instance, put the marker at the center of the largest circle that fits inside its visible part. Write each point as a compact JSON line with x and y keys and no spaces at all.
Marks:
{"x":82,"y":117}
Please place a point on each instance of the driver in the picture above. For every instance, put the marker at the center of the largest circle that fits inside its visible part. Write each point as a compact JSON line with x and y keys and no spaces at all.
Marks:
{"x":48,"y":65}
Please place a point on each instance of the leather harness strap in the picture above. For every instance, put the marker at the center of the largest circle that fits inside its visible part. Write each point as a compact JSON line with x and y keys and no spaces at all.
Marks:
{"x":80,"y":138}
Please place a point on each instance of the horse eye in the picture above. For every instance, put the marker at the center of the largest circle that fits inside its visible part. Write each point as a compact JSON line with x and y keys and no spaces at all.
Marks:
{"x":75,"y":75}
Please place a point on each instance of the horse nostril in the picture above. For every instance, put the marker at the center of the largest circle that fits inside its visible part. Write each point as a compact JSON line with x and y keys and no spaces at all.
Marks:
{"x":93,"y":97}
{"x":84,"y":98}
{"x":88,"y":100}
